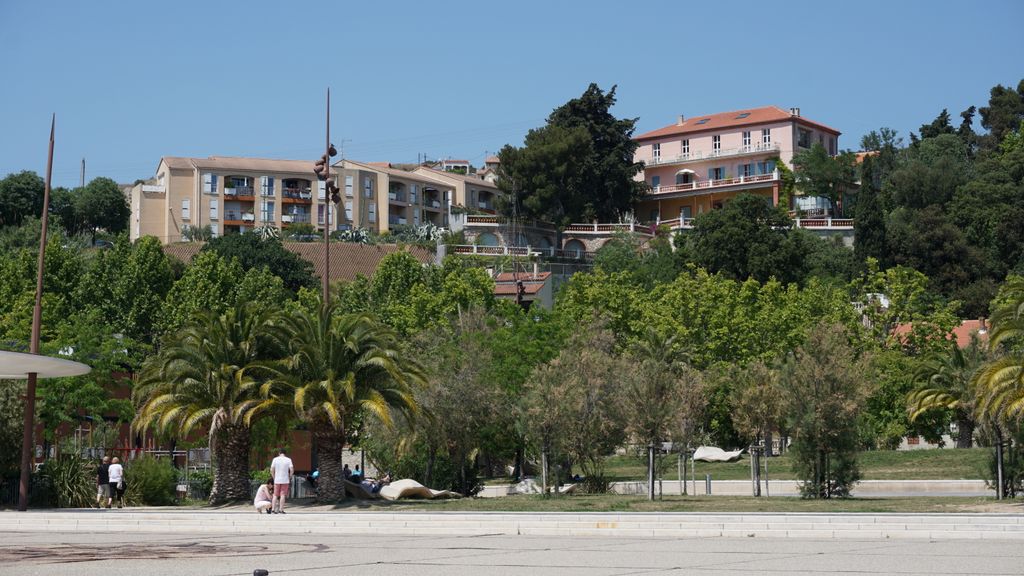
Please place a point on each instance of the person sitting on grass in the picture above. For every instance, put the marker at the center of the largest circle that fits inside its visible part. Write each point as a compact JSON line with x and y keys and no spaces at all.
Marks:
{"x":264,"y":498}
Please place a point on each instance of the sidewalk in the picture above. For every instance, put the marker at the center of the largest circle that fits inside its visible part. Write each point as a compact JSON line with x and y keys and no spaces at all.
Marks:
{"x":662,"y":525}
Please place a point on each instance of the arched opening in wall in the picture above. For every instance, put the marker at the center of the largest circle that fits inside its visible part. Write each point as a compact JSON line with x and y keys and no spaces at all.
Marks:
{"x":684,"y":176}
{"x":575,"y":246}
{"x":546,"y":243}
{"x":487,"y":239}
{"x":520,"y":240}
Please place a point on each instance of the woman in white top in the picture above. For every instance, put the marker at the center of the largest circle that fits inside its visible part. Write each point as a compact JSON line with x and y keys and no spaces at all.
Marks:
{"x":115,"y":474}
{"x":264,"y":500}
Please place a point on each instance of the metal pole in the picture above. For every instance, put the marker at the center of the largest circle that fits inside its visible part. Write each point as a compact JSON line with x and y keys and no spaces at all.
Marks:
{"x":679,"y":474}
{"x":37,"y":315}
{"x":650,"y":471}
{"x":767,"y":492}
{"x":999,"y":464}
{"x":327,"y":211}
{"x":693,"y":473}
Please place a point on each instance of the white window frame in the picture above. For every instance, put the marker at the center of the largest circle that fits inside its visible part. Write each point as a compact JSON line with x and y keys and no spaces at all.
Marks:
{"x":348,"y":210}
{"x":186,"y":206}
{"x":372,"y":212}
{"x":656,"y":151}
{"x":321,"y":189}
{"x":766,"y":136}
{"x":267,"y":212}
{"x":716,"y":143}
{"x":746,"y":139}
{"x":266,"y":185}
{"x":213,"y":209}
{"x":209,"y":183}
{"x":686,"y":147}
{"x":367,"y":187}
{"x":214,"y":232}
{"x":349,"y":185}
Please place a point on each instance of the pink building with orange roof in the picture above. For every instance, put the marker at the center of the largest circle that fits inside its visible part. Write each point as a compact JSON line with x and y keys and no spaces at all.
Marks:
{"x":699,"y":163}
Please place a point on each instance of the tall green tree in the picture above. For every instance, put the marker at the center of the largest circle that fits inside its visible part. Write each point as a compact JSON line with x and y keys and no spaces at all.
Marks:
{"x":869,"y":221}
{"x":823,"y":383}
{"x":577,"y":167}
{"x":101,"y":205}
{"x":1004,"y":112}
{"x":820,"y":174}
{"x":251,"y":251}
{"x":337,"y":370}
{"x":203,"y":379}
{"x":748,"y":238}
{"x":21,"y":196}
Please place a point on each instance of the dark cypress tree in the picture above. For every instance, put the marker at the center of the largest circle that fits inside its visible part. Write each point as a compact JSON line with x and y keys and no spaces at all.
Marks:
{"x":869,"y":223}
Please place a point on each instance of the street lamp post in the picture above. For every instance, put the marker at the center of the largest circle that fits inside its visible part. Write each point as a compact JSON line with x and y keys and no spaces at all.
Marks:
{"x":322,"y":168}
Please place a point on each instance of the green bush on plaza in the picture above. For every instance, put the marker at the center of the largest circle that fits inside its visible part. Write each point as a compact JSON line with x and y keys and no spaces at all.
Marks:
{"x":150,"y":481}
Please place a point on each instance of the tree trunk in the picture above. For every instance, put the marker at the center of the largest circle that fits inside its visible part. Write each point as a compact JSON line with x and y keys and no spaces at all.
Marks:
{"x":231,"y":465}
{"x":330,"y":443}
{"x":965,"y":431}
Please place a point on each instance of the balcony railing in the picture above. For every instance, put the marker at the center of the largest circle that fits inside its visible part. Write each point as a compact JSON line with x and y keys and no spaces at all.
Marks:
{"x":239,"y":191}
{"x":597,"y":228}
{"x":521,"y":251}
{"x":396,"y":220}
{"x":710,"y":155}
{"x":295,"y":218}
{"x":297,"y":193}
{"x":807,"y":223}
{"x":396,"y":196}
{"x":709,"y":184}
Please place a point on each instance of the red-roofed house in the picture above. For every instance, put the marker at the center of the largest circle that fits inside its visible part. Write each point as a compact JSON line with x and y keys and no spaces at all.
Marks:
{"x":699,"y":163}
{"x":962,"y":333}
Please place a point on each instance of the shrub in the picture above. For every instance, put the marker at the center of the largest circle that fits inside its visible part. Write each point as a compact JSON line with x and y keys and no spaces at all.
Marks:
{"x":150,"y":481}
{"x":66,"y":481}
{"x":200,"y":483}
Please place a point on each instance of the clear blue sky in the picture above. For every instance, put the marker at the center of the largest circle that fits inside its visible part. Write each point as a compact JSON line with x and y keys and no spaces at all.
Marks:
{"x":133,"y":81}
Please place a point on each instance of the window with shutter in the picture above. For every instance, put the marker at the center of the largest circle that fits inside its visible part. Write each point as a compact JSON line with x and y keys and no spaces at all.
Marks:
{"x":185,"y":209}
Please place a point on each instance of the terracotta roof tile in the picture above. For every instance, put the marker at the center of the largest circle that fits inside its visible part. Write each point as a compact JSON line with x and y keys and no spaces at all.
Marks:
{"x":524,"y":276}
{"x":733,"y":119}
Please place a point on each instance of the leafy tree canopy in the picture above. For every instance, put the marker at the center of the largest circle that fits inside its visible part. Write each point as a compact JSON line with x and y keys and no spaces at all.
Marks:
{"x":254,"y":252}
{"x":577,"y":167}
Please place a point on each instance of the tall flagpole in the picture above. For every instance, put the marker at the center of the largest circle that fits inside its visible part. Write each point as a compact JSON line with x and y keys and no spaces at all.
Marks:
{"x":37,"y":316}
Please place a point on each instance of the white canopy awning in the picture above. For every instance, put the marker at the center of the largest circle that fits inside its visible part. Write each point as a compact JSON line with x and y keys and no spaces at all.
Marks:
{"x":686,"y":171}
{"x":18,"y":365}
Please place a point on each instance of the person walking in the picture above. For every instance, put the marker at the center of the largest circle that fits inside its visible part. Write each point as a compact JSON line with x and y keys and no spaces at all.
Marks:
{"x":103,"y":483}
{"x":115,"y":475}
{"x":264,"y":497}
{"x":282,"y":470}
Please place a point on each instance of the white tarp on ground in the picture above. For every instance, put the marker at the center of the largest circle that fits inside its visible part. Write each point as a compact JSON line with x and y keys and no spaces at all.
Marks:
{"x":408,"y":488}
{"x":715,"y":454}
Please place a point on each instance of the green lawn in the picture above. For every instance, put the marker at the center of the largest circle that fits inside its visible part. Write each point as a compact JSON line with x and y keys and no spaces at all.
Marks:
{"x":619,"y":503}
{"x":944,"y":464}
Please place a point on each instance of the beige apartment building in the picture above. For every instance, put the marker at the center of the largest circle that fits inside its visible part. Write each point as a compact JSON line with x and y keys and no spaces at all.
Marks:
{"x":471,"y":191}
{"x":228,"y":194}
{"x":378,"y":196}
{"x":234,"y":195}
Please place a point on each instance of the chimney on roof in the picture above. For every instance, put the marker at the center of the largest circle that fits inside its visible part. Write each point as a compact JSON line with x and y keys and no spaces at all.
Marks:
{"x":679,"y":122}
{"x":794,"y":112}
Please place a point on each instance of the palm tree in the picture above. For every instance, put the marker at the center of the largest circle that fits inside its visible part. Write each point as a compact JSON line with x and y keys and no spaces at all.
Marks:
{"x":200,"y":379}
{"x":1000,"y":384}
{"x":945,"y":382}
{"x":337,"y":369}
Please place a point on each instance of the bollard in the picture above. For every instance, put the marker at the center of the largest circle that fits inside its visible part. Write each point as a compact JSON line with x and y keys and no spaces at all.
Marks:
{"x":707,"y":484}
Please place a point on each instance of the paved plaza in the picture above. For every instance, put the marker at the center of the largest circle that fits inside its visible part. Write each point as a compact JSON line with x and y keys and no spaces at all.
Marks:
{"x":152,"y":554}
{"x":152,"y":542}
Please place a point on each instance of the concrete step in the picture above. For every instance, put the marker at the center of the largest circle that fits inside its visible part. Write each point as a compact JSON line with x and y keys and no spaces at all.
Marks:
{"x":666,"y":525}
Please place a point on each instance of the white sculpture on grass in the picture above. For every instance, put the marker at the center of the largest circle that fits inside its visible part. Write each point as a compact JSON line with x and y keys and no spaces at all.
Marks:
{"x":715,"y":454}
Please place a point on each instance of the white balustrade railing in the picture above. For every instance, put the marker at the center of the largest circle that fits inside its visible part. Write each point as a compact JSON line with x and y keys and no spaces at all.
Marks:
{"x":710,"y":154}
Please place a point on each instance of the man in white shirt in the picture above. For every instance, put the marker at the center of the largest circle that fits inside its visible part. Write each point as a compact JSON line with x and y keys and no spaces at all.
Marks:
{"x":282,"y":470}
